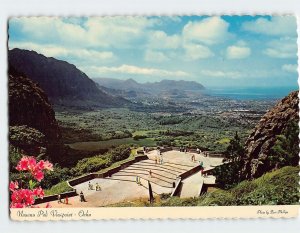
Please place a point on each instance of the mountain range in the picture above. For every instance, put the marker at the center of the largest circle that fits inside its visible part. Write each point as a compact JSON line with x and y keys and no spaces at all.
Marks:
{"x":133,"y":88}
{"x":62,"y":82}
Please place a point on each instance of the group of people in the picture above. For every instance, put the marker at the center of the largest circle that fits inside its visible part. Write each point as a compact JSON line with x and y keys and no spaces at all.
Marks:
{"x":91,"y":187}
{"x":159,"y":159}
{"x":61,"y":200}
{"x":183,"y":149}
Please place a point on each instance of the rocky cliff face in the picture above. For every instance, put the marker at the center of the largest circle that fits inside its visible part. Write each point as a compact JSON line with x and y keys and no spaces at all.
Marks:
{"x":29,"y":105}
{"x":262,"y":139}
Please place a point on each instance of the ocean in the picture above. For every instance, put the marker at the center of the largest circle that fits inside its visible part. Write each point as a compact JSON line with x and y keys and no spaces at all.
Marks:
{"x":250,"y":93}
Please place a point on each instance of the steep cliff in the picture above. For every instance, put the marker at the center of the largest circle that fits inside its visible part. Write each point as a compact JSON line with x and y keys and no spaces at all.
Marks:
{"x":29,"y":105}
{"x":260,"y":142}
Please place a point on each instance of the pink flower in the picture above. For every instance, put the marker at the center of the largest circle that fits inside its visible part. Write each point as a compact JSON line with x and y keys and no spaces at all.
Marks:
{"x":40,"y":165}
{"x":23,"y":164}
{"x":39,"y":192}
{"x":28,"y":163}
{"x":48,"y":166}
{"x":38,"y":175}
{"x":17,"y":205}
{"x":13,"y":185}
{"x":31,"y":163}
{"x":21,"y":198}
{"x":45,"y":165}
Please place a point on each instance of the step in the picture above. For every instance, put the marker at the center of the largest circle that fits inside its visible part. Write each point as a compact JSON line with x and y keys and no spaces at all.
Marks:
{"x":132,"y":179}
{"x":124,"y":172}
{"x":161,"y":167}
{"x":186,"y":166}
{"x":158,"y":180}
{"x":153,"y":169}
{"x":166,"y":164}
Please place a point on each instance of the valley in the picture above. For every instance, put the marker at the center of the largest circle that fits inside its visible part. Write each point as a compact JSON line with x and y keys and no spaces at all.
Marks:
{"x":208,"y":124}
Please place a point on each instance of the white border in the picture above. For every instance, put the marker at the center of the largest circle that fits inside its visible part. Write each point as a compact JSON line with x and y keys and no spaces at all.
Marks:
{"x":129,"y":7}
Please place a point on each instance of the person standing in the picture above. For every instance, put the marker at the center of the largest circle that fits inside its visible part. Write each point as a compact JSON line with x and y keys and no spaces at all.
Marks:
{"x":82,"y":199}
{"x":98,"y":188}
{"x":59,"y":199}
{"x":150,"y":173}
{"x":66,"y":200}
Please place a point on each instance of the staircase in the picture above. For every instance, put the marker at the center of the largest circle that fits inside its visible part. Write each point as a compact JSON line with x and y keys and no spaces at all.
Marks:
{"x":163,"y":175}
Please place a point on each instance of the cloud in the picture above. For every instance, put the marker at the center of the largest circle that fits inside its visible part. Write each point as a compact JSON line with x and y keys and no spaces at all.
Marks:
{"x":238,"y":51}
{"x":211,"y":30}
{"x":221,"y":74}
{"x":160,"y":40}
{"x":118,"y":32}
{"x":285,"y":47}
{"x":276,"y":26}
{"x":196,"y":51}
{"x":155,"y":56}
{"x":134,"y":70}
{"x":47,"y":30}
{"x":292,"y":68}
{"x":75,"y":55}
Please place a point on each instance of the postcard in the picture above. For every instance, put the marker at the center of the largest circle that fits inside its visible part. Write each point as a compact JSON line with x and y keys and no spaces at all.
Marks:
{"x":153,"y":117}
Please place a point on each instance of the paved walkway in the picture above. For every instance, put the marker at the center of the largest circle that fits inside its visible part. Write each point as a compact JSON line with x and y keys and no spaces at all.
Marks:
{"x":112,"y":191}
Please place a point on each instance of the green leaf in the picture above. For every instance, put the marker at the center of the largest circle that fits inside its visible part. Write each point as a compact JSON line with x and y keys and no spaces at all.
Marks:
{"x":32,"y":184}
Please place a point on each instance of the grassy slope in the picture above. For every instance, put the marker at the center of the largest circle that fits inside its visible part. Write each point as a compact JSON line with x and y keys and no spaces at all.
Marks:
{"x":58,"y":188}
{"x":279,"y":187}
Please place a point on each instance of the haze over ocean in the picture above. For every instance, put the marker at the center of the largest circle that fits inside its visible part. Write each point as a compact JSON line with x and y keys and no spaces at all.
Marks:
{"x":250,"y":93}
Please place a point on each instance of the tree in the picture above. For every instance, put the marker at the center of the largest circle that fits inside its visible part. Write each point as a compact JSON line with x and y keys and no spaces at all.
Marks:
{"x":229,"y":174}
{"x":285,"y":151}
{"x":235,"y":150}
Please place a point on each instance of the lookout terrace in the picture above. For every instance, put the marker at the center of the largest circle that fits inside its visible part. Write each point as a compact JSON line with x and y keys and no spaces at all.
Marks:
{"x":172,"y":172}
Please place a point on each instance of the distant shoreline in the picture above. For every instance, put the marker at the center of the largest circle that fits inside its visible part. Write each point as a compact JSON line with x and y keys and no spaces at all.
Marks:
{"x":250,"y":93}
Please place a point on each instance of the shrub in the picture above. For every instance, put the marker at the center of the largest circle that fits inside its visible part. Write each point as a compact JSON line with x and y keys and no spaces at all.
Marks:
{"x":138,"y":137}
{"x":99,"y":162}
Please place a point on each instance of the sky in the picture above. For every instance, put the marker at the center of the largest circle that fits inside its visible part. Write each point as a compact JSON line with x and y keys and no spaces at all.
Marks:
{"x":215,"y":51}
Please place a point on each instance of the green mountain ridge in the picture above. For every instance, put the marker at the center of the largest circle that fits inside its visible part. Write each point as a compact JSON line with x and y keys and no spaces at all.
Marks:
{"x":62,"y":82}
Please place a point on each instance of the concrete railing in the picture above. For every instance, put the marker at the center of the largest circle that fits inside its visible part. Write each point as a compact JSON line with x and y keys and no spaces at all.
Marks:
{"x":190,"y":172}
{"x":181,"y":177}
{"x":165,"y":149}
{"x":177,"y":187}
{"x":54,"y":197}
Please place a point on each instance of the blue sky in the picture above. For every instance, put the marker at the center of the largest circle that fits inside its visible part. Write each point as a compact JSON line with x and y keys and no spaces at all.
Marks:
{"x":215,"y":51}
